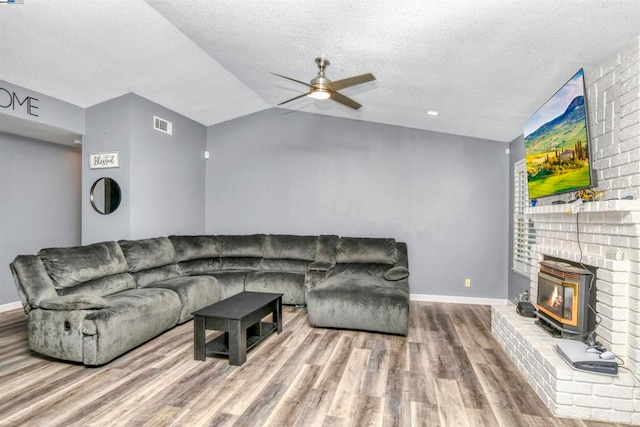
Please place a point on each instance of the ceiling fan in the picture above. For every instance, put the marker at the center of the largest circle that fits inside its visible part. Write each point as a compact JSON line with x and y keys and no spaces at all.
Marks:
{"x":323,"y":88}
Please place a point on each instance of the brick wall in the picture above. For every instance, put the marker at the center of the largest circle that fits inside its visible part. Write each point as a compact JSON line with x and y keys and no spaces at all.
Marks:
{"x":613,"y":96}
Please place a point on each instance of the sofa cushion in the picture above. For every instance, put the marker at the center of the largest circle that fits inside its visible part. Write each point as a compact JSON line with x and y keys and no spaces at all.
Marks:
{"x":195,"y":247}
{"x":357,"y":250}
{"x":71,"y":266}
{"x":231,"y":282}
{"x":242,"y":246}
{"x":290,"y":285}
{"x":286,"y":265}
{"x":102,"y":287}
{"x":131,"y":318}
{"x":200,"y":266}
{"x":360,"y":302}
{"x":282,"y":246}
{"x":195,"y":292}
{"x":236,"y":263}
{"x":74,"y":302}
{"x":376,"y":270}
{"x":321,"y":266}
{"x":327,"y":247}
{"x":148,"y":253}
{"x":149,"y":277}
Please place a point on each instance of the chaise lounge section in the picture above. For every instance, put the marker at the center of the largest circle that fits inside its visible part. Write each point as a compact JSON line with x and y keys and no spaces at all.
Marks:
{"x":90,"y":304}
{"x":368,"y":289}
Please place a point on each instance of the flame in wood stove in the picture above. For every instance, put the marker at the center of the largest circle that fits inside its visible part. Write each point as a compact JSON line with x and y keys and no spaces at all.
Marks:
{"x":555,"y":300}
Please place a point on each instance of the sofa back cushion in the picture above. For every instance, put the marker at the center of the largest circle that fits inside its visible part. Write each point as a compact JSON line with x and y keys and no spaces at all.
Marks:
{"x":281,"y":246}
{"x":150,"y":276}
{"x":102,"y":287}
{"x":325,"y":258}
{"x":288,"y":253}
{"x":240,"y":263}
{"x":327,"y":247}
{"x":69,"y":267}
{"x":195,"y":247}
{"x":200,"y":266}
{"x":248,"y":246}
{"x":151,"y":260}
{"x":368,"y":269}
{"x":148,"y":253}
{"x":361,"y":250}
{"x":286,"y":265}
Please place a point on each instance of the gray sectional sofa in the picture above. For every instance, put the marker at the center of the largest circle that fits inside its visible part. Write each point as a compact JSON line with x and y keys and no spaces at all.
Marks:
{"x":92,"y":303}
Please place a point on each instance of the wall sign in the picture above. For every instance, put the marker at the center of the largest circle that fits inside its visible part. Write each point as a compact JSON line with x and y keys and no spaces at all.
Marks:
{"x":12,"y":100}
{"x":104,"y":160}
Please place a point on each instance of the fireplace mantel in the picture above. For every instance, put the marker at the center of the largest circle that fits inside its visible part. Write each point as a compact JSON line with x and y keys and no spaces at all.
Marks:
{"x":588,"y":207}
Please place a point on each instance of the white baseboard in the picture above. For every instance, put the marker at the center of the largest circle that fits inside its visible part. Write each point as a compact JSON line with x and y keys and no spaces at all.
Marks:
{"x":10,"y":306}
{"x":458,"y":300}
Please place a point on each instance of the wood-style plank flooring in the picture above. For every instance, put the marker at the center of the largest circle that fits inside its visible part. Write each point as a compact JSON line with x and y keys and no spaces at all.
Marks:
{"x":448,"y":372}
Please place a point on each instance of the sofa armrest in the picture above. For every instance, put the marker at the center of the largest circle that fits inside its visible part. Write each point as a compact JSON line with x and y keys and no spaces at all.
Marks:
{"x":74,"y":302}
{"x":32,"y":281}
{"x":313,"y":278}
{"x":400,"y":270}
{"x":403,"y":257}
{"x":396,"y":273}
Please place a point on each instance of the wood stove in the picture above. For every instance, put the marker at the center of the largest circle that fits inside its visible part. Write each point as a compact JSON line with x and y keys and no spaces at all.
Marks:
{"x":566,"y":299}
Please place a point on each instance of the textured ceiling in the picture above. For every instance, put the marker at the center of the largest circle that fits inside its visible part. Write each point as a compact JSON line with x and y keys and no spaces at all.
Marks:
{"x":485,"y":65}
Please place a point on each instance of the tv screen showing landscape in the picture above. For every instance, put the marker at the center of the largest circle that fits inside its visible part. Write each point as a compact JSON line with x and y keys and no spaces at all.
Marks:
{"x":556,"y":143}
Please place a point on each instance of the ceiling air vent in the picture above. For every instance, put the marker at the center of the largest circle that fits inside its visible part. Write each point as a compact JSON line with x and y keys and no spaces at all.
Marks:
{"x":162,"y":125}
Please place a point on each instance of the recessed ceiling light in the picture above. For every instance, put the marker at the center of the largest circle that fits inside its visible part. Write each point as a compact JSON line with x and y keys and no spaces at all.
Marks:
{"x":432,"y":113}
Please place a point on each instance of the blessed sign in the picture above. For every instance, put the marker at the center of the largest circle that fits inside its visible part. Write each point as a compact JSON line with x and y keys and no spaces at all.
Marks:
{"x":104,"y":160}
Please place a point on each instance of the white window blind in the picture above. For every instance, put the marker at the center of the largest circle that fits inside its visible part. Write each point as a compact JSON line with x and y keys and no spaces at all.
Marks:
{"x":523,"y":232}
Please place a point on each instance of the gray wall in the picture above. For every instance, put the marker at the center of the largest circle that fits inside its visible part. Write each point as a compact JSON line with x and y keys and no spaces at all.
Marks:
{"x":39,"y":201}
{"x":279,"y":171}
{"x":167,"y":173}
{"x":162,"y":177}
{"x":517,"y":282}
{"x":108,"y":129}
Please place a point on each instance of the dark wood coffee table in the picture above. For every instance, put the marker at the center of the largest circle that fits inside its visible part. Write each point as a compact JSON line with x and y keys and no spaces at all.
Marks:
{"x":240,"y":318}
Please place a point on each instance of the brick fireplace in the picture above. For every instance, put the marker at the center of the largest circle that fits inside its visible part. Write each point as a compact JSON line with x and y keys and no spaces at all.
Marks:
{"x":608,"y":233}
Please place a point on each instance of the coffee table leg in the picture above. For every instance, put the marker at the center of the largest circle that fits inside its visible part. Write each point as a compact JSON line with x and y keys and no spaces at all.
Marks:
{"x":237,"y":343}
{"x":199,"y":350}
{"x":277,"y":315}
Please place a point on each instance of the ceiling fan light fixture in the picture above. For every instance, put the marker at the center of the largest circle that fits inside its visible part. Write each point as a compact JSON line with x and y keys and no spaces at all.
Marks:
{"x":320,"y":87}
{"x":319,"y":94}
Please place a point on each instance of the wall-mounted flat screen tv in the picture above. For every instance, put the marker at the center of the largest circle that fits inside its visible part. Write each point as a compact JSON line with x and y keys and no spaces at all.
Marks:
{"x":556,"y":143}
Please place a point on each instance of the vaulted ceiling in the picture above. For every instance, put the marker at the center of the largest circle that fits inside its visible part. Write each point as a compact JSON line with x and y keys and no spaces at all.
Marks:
{"x":485,"y":65}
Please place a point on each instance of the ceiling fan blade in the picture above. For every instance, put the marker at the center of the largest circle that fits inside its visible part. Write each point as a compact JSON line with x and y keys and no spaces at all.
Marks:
{"x":338,"y":97}
{"x":293,"y":99}
{"x":293,"y":80}
{"x":351,"y":81}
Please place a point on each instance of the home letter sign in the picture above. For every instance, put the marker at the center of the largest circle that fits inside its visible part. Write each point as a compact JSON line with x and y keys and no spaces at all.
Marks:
{"x":12,"y":100}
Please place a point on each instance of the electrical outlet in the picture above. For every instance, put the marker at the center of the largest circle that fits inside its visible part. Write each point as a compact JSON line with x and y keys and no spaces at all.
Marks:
{"x":467,"y":283}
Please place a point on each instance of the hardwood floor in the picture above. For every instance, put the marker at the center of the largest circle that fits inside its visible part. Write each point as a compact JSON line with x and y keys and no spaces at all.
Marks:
{"x":448,"y":372}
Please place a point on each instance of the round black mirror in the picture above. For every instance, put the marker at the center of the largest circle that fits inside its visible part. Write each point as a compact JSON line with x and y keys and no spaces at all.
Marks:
{"x":105,"y":195}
